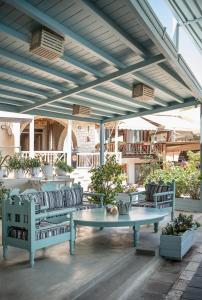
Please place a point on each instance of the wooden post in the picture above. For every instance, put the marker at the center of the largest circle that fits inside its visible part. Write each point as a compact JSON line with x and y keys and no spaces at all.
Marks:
{"x":69,"y":143}
{"x":16,"y":133}
{"x":101,"y":143}
{"x":116,"y":139}
{"x":31,"y":138}
{"x":201,"y":151}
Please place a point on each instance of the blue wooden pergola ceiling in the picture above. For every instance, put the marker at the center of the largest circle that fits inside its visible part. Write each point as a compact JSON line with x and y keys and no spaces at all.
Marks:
{"x":109,"y":46}
{"x":189,"y":15}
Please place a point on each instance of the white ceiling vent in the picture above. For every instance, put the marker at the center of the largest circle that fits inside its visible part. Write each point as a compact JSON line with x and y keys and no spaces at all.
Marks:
{"x":81,"y":111}
{"x":46,"y":43}
{"x":142,"y":92}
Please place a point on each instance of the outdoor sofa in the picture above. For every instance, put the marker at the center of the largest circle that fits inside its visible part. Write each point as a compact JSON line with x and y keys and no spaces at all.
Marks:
{"x":157,"y":195}
{"x":36,"y":220}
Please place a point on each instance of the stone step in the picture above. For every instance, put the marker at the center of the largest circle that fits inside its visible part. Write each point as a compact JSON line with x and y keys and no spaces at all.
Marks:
{"x":120,"y":280}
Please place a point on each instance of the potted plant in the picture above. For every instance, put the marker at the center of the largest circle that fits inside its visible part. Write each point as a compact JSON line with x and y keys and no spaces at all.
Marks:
{"x":34,"y":165}
{"x":47,"y":169}
{"x":3,"y":160}
{"x":62,"y":168}
{"x":178,"y":237}
{"x":17,"y":164}
{"x":108,"y":179}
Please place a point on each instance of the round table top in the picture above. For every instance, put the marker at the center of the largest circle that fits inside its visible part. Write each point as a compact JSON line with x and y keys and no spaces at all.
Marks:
{"x":137,"y":215}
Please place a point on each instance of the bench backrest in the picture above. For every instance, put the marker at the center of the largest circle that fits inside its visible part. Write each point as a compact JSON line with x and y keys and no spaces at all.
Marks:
{"x":151,"y":188}
{"x":68,"y":197}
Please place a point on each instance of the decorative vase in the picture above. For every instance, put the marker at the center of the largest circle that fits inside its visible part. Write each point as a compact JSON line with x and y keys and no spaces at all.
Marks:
{"x":35,"y":171}
{"x":47,"y":170}
{"x":123,"y":207}
{"x":19,"y":173}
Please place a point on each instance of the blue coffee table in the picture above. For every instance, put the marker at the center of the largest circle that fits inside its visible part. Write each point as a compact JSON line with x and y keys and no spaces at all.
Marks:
{"x":137,"y":216}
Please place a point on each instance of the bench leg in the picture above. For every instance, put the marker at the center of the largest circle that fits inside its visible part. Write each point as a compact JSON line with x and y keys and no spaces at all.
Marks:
{"x":136,"y":235}
{"x":71,"y":246}
{"x":156,"y":227}
{"x":5,"y":252}
{"x":31,"y":258}
{"x":172,"y":214}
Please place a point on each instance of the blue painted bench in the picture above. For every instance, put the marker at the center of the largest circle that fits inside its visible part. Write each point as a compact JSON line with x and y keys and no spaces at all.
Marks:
{"x":36,"y":220}
{"x":157,"y":195}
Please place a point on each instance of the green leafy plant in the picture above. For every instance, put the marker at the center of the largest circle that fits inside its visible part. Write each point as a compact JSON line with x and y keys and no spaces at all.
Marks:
{"x":186,"y":176}
{"x":108,"y":179}
{"x":62,"y":165}
{"x":130,"y":188}
{"x":180,"y":224}
{"x":33,"y":163}
{"x":16,"y":162}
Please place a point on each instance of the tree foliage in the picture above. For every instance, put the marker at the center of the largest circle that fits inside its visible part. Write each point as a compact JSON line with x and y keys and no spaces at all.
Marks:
{"x":108,"y":179}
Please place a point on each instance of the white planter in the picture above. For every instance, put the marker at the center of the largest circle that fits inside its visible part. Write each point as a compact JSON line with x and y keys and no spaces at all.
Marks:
{"x":175,"y":247}
{"x":60,"y":172}
{"x":19,"y":173}
{"x":47,"y":170}
{"x":2,"y":173}
{"x":35,"y":171}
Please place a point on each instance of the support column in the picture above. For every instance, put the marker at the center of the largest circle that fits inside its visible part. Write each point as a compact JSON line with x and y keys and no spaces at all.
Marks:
{"x":16,"y":133}
{"x":68,"y":142}
{"x":201,"y":152}
{"x":31,"y":138}
{"x":116,"y":139}
{"x":102,"y":143}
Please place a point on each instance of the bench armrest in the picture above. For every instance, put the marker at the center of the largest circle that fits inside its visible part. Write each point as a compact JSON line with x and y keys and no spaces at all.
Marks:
{"x":137,"y":193}
{"x":163,"y":194}
{"x":157,"y":195}
{"x":99,"y":195}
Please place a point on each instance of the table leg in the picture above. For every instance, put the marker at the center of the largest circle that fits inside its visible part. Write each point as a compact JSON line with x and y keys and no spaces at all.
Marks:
{"x":136,"y":235}
{"x":156,"y":227}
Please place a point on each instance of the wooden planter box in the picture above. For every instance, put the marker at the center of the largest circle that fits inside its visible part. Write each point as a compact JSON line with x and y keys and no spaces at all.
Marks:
{"x":175,"y":247}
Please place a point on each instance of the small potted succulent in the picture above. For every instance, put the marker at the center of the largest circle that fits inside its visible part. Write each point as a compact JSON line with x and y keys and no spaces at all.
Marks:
{"x":3,"y":160}
{"x":34,"y":166}
{"x":18,"y":165}
{"x":47,"y":169}
{"x":62,"y":168}
{"x":178,"y":237}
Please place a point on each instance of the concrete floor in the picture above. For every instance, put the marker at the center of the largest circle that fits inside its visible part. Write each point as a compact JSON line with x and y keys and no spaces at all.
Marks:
{"x":104,"y":266}
{"x":57,"y":275}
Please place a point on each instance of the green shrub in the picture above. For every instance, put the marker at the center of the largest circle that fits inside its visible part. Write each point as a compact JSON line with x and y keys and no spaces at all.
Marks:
{"x":187,"y":177}
{"x":16,"y":162}
{"x":108,"y":179}
{"x":180,"y":224}
{"x":33,"y":163}
{"x":61,"y":164}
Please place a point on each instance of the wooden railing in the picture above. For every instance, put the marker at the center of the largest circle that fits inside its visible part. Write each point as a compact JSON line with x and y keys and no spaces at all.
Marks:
{"x":138,"y":148}
{"x":49,"y":156}
{"x":90,"y":160}
{"x":81,"y":160}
